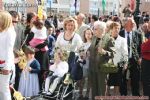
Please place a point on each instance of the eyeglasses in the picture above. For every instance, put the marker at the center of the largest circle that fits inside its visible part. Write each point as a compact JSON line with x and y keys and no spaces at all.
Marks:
{"x":14,"y":21}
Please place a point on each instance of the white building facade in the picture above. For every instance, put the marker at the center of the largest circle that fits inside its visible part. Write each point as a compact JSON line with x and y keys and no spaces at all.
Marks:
{"x":22,"y":6}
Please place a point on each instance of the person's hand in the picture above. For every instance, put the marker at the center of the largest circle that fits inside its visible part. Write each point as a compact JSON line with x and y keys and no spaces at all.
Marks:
{"x":125,"y":66}
{"x":101,"y":51}
{"x":16,"y":60}
{"x":29,"y":69}
{"x":11,"y":85}
{"x":139,"y":61}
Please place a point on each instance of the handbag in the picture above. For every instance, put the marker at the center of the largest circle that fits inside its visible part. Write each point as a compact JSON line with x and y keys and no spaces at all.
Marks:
{"x":109,"y":67}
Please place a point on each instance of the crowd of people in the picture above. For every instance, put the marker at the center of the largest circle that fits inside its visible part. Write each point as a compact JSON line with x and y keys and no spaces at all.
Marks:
{"x":47,"y":43}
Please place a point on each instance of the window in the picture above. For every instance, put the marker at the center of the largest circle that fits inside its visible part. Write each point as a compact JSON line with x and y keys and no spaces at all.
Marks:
{"x":54,"y":1}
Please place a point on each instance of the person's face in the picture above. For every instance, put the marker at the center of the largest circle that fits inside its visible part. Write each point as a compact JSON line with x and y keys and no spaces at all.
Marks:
{"x":79,"y":19}
{"x":50,"y":31}
{"x":130,"y":24}
{"x":97,"y":31}
{"x":56,"y":56}
{"x":29,"y":56}
{"x":70,"y":26}
{"x":88,"y":35}
{"x":145,"y":27}
{"x":115,"y":31}
{"x":15,"y":20}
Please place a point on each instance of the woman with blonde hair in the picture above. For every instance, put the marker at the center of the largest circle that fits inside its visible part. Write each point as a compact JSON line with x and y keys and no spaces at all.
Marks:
{"x":69,"y":40}
{"x":120,"y":57}
{"x":7,"y":40}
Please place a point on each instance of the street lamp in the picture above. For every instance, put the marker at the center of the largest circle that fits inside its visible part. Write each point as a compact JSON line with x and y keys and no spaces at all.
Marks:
{"x":98,"y":11}
{"x":137,"y":13}
{"x":75,"y":5}
{"x":50,"y":6}
{"x":137,"y":9}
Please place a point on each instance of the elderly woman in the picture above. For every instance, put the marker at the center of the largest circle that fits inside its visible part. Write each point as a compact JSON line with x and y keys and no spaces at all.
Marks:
{"x":7,"y":40}
{"x":100,"y":51}
{"x":69,"y":40}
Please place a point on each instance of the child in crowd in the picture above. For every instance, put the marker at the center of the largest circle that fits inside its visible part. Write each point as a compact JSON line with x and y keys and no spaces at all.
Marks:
{"x":88,"y":34}
{"x":51,"y":40}
{"x":59,"y":68}
{"x":29,"y":82}
{"x":40,"y":35}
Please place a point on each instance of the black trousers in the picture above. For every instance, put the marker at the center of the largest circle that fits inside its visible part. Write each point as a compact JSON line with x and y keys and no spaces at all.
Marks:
{"x":135,"y":79}
{"x":17,"y":77}
{"x":134,"y":69}
{"x":41,"y":78}
{"x":123,"y":84}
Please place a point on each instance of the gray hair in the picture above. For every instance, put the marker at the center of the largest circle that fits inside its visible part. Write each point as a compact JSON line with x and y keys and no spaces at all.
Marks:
{"x":100,"y":24}
{"x":82,"y":16}
{"x":126,"y":19}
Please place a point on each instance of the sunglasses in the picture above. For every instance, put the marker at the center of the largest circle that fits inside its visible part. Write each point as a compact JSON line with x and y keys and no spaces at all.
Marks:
{"x":14,"y":21}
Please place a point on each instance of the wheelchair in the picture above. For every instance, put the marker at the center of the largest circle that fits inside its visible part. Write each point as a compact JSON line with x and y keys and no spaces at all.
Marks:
{"x":66,"y":89}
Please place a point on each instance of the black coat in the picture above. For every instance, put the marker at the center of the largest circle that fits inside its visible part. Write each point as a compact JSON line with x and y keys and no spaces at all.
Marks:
{"x":135,"y":43}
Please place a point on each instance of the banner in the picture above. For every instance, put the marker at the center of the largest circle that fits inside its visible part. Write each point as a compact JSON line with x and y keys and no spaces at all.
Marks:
{"x":132,"y":4}
{"x":103,"y":6}
{"x":40,"y":8}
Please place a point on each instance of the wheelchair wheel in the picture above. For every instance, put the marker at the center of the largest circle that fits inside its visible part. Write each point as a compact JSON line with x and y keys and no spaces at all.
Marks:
{"x":37,"y":97}
{"x":67,"y":92}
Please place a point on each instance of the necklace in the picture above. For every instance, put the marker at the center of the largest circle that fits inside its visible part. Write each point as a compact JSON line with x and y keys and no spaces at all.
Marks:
{"x":68,"y":36}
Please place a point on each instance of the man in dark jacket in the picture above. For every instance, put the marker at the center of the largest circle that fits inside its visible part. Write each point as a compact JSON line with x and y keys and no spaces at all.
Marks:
{"x":134,"y":40}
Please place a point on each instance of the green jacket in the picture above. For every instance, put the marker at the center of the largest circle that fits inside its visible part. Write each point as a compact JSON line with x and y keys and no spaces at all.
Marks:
{"x":96,"y":59}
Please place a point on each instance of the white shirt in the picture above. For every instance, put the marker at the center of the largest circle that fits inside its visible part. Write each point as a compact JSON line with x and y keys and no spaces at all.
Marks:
{"x":126,"y":36}
{"x":39,"y":33}
{"x":60,"y":69}
{"x":121,"y":53}
{"x":73,"y":45}
{"x":7,"y":40}
{"x":86,"y":46}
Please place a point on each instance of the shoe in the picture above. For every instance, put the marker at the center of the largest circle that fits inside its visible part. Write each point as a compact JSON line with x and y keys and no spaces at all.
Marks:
{"x":48,"y":93}
{"x":67,"y":79}
{"x":43,"y":92}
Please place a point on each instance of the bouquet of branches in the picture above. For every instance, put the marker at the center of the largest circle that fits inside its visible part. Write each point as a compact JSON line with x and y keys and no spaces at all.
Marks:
{"x":22,"y":58}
